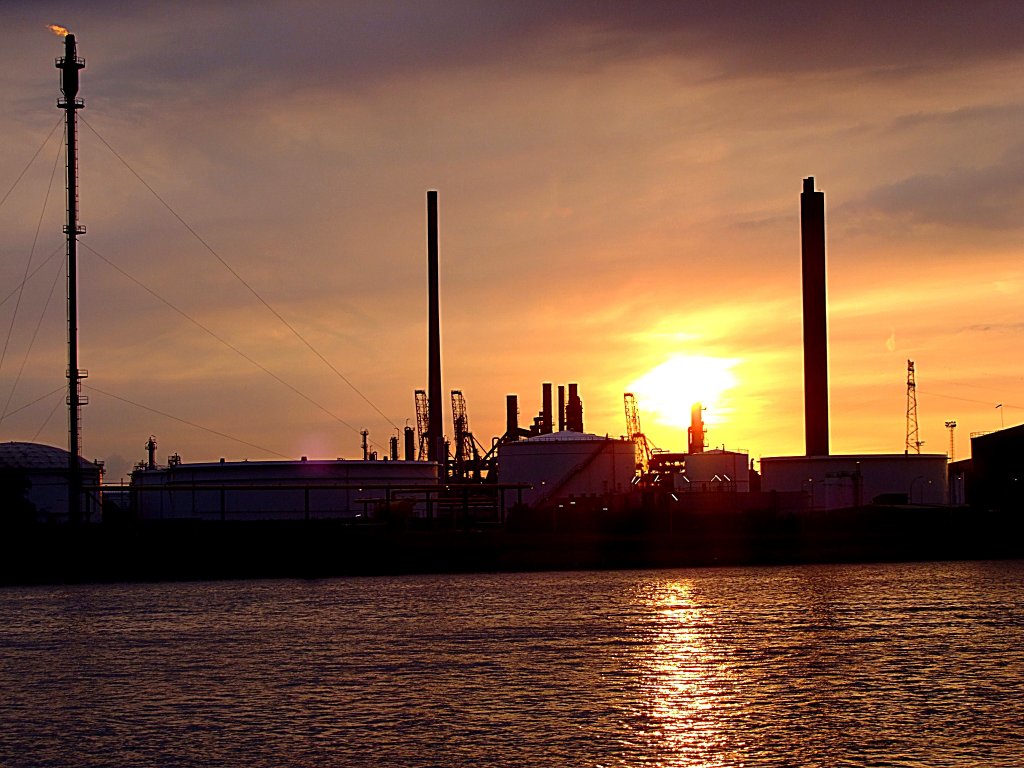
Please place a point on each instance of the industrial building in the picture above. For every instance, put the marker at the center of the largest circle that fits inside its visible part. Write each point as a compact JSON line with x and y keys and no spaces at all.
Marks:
{"x":714,"y":470}
{"x":833,"y":482}
{"x":993,"y":478}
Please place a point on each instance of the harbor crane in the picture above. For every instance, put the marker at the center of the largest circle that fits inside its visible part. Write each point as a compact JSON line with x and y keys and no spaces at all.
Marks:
{"x":467,"y":452}
{"x":422,"y":423}
{"x":643,"y":446}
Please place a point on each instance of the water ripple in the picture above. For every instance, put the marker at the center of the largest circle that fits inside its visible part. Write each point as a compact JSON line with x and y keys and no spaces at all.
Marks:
{"x":888,"y":665}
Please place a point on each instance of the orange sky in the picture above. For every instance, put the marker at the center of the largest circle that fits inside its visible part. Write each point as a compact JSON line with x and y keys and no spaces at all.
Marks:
{"x":619,"y":194}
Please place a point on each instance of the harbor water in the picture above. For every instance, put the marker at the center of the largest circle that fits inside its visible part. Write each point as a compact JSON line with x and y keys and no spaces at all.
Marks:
{"x":874,"y":665}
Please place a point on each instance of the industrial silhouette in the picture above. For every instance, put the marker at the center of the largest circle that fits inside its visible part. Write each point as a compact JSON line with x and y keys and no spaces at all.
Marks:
{"x":552,"y":477}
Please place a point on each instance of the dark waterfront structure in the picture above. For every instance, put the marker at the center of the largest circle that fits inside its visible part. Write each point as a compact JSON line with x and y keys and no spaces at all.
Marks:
{"x":812,"y":241}
{"x":996,"y":472}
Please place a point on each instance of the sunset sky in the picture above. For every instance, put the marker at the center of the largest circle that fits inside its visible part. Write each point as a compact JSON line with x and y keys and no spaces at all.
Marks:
{"x":619,"y":207}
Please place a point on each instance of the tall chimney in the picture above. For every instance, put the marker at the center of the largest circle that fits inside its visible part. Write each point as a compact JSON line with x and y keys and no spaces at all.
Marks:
{"x":410,"y":444}
{"x":561,"y":407}
{"x":574,"y":410}
{"x":696,"y":431}
{"x":812,"y":239}
{"x":435,"y":424}
{"x":546,"y":422}
{"x":512,"y":417}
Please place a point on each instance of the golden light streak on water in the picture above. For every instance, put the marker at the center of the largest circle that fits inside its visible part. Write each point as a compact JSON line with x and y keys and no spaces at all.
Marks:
{"x":679,"y":676}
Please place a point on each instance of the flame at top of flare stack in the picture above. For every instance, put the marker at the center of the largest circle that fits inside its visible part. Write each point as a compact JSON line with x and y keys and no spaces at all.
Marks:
{"x":69,"y":65}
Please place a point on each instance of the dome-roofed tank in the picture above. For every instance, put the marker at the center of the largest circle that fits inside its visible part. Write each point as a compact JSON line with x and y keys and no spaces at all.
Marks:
{"x":34,"y":483}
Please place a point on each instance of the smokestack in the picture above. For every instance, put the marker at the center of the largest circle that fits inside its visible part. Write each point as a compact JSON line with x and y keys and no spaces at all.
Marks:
{"x":435,"y":424}
{"x":696,"y":431}
{"x":812,"y":239}
{"x":512,"y":417}
{"x":561,"y":407}
{"x":410,"y":444}
{"x":545,"y":427}
{"x":574,"y":410}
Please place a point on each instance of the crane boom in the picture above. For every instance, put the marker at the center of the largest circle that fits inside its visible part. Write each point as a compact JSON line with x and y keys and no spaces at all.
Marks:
{"x":422,"y":423}
{"x":642,"y":445}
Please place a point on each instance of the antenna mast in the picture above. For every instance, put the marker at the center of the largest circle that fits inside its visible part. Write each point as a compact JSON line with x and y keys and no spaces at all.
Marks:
{"x":69,"y":65}
{"x":913,"y":440}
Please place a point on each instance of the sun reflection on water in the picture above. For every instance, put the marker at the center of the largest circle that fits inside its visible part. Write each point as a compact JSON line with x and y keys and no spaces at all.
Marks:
{"x":683,"y":683}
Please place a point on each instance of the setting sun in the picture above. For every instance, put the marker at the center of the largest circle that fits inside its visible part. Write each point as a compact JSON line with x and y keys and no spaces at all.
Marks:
{"x":666,"y":393}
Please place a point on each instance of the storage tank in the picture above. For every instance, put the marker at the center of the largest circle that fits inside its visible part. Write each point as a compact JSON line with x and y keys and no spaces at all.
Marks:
{"x":716,"y":470}
{"x":35,"y":479}
{"x":563,"y":464}
{"x":278,"y":490}
{"x":833,"y":482}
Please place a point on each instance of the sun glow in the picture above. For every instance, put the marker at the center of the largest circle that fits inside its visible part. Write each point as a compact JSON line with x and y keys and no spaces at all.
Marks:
{"x":666,"y":392}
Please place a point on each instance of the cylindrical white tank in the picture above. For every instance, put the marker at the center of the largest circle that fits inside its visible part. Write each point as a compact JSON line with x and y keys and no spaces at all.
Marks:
{"x":272,"y":490}
{"x":849,"y":481}
{"x":715,"y":471}
{"x":563,"y":464}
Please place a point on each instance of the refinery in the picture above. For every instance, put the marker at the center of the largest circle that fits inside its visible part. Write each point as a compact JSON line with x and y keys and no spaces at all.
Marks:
{"x":545,"y":478}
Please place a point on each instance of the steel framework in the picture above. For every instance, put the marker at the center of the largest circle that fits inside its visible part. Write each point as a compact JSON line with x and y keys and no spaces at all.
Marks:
{"x":641,"y":445}
{"x":913,"y":439}
{"x":422,"y":423}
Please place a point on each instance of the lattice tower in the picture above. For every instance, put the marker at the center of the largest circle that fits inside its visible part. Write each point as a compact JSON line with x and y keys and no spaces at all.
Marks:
{"x":460,"y":418}
{"x":913,"y":438}
{"x":422,"y":423}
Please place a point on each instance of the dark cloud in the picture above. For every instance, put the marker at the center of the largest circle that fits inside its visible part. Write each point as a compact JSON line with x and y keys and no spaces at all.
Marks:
{"x":319,"y":44}
{"x":750,"y":36}
{"x":988,"y":197}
